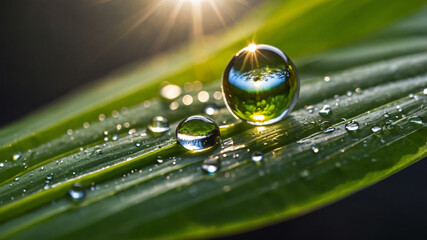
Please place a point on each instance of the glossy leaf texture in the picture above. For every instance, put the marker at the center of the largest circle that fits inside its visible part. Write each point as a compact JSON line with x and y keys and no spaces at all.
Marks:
{"x":144,"y":185}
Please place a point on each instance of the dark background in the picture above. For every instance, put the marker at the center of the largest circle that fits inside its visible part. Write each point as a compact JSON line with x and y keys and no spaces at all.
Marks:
{"x":50,"y":47}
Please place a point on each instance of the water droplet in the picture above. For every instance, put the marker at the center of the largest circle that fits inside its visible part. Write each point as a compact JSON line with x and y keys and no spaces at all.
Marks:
{"x":211,"y":109}
{"x":70,"y":132}
{"x":17,"y":179}
{"x":349,"y":93}
{"x":77,"y":192}
{"x":416,"y":120}
{"x":159,"y":159}
{"x":425,"y":91}
{"x":197,"y":133}
{"x":16,"y":156}
{"x":315,"y":149}
{"x":352,"y":126}
{"x":375,"y":129}
{"x":257,"y":156}
{"x":211,"y":165}
{"x":386,"y":115}
{"x":217,"y":95}
{"x":159,"y":124}
{"x":327,"y":79}
{"x":1,"y":164}
{"x":115,"y":137}
{"x":260,"y":84}
{"x":325,"y":111}
{"x":326,"y":127}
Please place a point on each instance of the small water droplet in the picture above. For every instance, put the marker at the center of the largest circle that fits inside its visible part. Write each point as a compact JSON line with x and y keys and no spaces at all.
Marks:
{"x":375,"y":129}
{"x":77,"y":192}
{"x":352,"y":126}
{"x":16,"y":156}
{"x":262,"y":91}
{"x":211,"y":165}
{"x":315,"y":149}
{"x":211,"y":109}
{"x":257,"y":156}
{"x":17,"y":179}
{"x":159,"y":159}
{"x":416,"y":120}
{"x":326,"y":127}
{"x":325,"y":111}
{"x":425,"y":91}
{"x":386,"y":115}
{"x":1,"y":164}
{"x":326,"y":78}
{"x":70,"y":132}
{"x":158,"y":124}
{"x":349,"y":93}
{"x":197,"y":133}
{"x":115,"y":137}
{"x":203,"y":96}
{"x":411,"y":95}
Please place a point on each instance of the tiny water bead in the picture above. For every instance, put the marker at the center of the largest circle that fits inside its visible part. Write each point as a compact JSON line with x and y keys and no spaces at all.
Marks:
{"x":416,"y":120}
{"x":211,"y":109}
{"x":326,"y":127}
{"x":77,"y":192}
{"x":352,"y":126}
{"x":325,"y":111}
{"x":158,"y":124}
{"x":375,"y":129}
{"x":16,"y":156}
{"x":197,"y":133}
{"x":257,"y":156}
{"x":260,"y":84}
{"x":211,"y":165}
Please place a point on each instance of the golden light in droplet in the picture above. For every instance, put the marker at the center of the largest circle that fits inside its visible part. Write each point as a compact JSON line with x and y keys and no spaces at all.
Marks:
{"x":252,"y":47}
{"x":258,"y":117}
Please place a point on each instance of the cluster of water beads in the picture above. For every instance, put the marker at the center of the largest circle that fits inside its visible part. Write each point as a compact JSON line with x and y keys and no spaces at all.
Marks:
{"x":260,"y":85}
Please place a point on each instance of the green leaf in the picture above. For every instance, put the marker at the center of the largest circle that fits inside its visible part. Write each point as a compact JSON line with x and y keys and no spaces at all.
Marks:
{"x":378,"y":82}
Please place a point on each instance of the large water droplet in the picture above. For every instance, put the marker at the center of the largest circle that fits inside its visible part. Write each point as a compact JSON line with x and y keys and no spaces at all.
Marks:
{"x":197,"y":133}
{"x":211,"y":165}
{"x":352,"y":126}
{"x":325,"y":111}
{"x":77,"y":192}
{"x":257,"y":156}
{"x":260,"y":84}
{"x":158,"y":124}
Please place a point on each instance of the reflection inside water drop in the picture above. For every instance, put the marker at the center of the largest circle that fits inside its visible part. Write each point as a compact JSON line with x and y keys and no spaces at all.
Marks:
{"x":197,"y":133}
{"x":77,"y":192}
{"x":158,"y":124}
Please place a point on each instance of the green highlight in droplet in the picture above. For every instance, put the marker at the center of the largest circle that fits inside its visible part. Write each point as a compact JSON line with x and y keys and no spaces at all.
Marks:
{"x":260,"y":85}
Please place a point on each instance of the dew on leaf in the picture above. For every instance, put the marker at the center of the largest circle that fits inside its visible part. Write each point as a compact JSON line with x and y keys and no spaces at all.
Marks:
{"x":197,"y":133}
{"x":158,"y":124}
{"x":325,"y":111}
{"x":352,"y":126}
{"x":263,"y":89}
{"x":76,"y":192}
{"x":211,"y":165}
{"x":375,"y":129}
{"x":211,"y":109}
{"x":16,"y":156}
{"x":257,"y":156}
{"x":416,"y":120}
